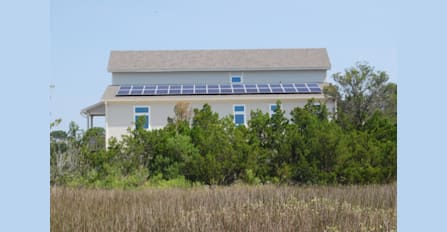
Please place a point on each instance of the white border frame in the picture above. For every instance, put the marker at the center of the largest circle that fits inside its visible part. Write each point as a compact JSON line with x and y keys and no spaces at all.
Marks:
{"x":239,"y":113}
{"x":142,"y":114}
{"x":239,"y":74}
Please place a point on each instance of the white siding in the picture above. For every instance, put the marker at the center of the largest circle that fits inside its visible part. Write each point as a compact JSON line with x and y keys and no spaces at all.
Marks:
{"x":317,"y":76}
{"x":120,"y":115}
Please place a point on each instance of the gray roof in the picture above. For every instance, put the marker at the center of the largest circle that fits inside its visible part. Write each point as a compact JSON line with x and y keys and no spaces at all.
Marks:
{"x":218,"y":60}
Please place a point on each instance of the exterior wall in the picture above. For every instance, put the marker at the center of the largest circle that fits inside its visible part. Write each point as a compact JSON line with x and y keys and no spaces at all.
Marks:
{"x":120,"y":115}
{"x":297,"y":76}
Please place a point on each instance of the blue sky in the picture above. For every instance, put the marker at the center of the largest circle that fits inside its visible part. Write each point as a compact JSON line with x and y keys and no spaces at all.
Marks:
{"x":82,"y":33}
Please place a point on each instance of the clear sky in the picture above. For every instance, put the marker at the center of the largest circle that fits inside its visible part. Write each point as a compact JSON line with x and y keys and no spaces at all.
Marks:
{"x":84,"y":32}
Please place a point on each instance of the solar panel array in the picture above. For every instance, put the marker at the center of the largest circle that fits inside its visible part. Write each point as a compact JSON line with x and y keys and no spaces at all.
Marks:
{"x":217,"y":89}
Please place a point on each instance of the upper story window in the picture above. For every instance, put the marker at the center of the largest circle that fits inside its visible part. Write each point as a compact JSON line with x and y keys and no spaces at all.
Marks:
{"x":236,"y":78}
{"x":142,"y":113}
{"x":239,"y":114}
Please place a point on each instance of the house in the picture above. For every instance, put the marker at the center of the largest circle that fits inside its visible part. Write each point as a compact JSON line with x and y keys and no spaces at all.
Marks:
{"x":234,"y":82}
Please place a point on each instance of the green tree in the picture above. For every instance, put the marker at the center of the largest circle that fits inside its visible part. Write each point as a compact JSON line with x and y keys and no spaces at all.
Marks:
{"x":360,"y":91}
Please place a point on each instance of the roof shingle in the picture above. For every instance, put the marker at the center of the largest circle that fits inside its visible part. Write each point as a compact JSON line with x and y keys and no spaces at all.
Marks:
{"x":218,"y":60}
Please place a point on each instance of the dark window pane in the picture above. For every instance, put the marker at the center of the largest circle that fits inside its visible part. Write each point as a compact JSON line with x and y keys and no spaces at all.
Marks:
{"x":239,"y":119}
{"x":141,"y":110}
{"x":236,"y":79}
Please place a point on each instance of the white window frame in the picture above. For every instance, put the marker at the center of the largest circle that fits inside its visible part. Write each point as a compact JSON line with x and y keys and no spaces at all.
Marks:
{"x":270,"y":110}
{"x":239,"y":113}
{"x":148,"y":114}
{"x":240,"y":75}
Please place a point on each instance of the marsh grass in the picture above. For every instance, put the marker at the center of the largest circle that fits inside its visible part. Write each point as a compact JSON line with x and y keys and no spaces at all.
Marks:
{"x":234,"y":208}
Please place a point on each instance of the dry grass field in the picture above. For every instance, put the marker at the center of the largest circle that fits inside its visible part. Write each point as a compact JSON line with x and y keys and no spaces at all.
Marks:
{"x":234,"y":208}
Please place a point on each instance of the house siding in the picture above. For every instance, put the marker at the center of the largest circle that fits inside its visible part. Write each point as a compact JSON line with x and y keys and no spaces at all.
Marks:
{"x":120,"y":115}
{"x":297,"y":76}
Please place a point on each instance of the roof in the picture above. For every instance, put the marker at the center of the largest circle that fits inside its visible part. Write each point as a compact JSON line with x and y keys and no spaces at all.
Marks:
{"x":219,"y":60}
{"x":97,"y":109}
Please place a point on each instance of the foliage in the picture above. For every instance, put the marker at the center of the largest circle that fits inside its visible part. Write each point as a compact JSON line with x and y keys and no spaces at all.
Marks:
{"x":360,"y":91}
{"x":305,"y":146}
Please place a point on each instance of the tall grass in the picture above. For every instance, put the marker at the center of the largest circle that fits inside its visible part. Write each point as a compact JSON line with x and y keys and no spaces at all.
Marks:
{"x":235,"y":208}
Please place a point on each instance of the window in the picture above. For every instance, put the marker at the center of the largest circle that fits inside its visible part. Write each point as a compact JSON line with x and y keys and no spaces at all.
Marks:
{"x":236,"y":78}
{"x":273,"y":108}
{"x":142,"y":113}
{"x":239,"y":114}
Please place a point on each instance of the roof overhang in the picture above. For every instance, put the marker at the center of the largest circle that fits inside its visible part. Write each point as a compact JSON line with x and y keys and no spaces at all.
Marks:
{"x":97,"y":109}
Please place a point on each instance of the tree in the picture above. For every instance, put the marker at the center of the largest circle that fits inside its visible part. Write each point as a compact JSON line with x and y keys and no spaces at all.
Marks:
{"x":360,"y":91}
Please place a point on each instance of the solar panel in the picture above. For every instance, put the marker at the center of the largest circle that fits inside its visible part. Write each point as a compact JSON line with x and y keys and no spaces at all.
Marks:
{"x":149,"y":92}
{"x":175,"y":91}
{"x":315,"y":90}
{"x":162,"y":91}
{"x":214,"y":89}
{"x":252,"y":90}
{"x":276,"y":88}
{"x":136,"y":90}
{"x":123,"y":92}
{"x":290,"y":90}
{"x":150,"y":87}
{"x":163,"y":87}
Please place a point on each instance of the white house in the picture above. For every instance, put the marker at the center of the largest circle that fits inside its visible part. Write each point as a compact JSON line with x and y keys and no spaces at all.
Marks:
{"x":234,"y":82}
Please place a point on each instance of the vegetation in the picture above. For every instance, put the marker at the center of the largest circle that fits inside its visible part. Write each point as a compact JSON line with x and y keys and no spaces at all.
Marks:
{"x":235,"y":208}
{"x":357,"y":145}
